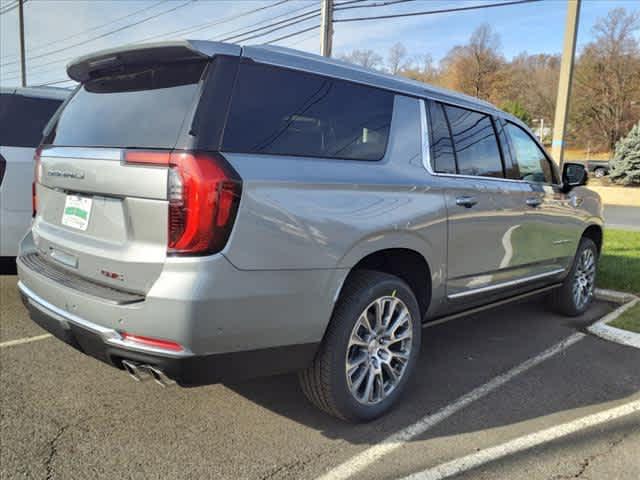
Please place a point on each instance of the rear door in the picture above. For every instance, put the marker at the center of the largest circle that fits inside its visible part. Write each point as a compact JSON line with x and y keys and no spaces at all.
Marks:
{"x":102,"y":201}
{"x":22,"y":119}
{"x":482,"y":206}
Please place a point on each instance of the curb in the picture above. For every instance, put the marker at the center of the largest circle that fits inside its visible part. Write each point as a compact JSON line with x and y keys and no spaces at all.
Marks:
{"x":613,"y":334}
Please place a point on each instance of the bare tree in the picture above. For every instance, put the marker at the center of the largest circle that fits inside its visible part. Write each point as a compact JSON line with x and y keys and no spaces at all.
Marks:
{"x":364,"y":58}
{"x":472,"y":68}
{"x":606,"y":102}
{"x":396,"y":58}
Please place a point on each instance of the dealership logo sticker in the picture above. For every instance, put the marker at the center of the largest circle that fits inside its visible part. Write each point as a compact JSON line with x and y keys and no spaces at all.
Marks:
{"x":77,"y":211}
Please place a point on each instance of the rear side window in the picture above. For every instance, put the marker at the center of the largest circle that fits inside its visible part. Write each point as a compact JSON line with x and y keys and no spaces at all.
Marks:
{"x":475,"y":143}
{"x":286,"y":112}
{"x":22,"y":119}
{"x":144,"y":108}
{"x":533,"y":165}
{"x":441,"y":147}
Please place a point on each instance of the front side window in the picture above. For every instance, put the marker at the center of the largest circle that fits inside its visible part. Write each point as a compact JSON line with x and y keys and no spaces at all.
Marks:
{"x":475,"y":143}
{"x":284,"y":112}
{"x":533,"y":165}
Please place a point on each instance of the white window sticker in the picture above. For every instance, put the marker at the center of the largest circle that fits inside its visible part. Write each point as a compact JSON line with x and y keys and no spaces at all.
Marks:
{"x":77,"y":211}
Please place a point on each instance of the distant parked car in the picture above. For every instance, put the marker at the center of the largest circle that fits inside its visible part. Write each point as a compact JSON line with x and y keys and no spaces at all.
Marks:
{"x":598,"y":168}
{"x":24,"y":112}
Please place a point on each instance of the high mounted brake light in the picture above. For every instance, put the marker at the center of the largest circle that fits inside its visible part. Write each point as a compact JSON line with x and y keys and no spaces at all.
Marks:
{"x":203,"y":192}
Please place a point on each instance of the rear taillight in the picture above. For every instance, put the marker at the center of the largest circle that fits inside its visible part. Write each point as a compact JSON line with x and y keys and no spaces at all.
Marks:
{"x":37,"y":178}
{"x":203,"y":192}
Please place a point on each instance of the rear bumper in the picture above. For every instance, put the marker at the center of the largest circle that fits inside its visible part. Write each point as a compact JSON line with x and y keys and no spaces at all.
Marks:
{"x":231,"y":323}
{"x":186,"y":368}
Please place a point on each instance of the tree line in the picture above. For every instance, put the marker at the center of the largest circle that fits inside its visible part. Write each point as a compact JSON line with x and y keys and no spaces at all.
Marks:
{"x":605,"y":96}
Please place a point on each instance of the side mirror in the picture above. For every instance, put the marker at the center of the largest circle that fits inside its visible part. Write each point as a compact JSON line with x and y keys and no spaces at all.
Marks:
{"x":573,"y":175}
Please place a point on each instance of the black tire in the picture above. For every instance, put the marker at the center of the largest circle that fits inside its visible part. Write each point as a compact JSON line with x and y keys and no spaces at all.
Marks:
{"x":325,"y":382}
{"x":562,"y":299}
{"x":599,"y":172}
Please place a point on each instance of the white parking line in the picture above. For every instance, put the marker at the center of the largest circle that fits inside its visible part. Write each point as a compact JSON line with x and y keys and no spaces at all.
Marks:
{"x":21,"y":341}
{"x":396,"y":440}
{"x":474,"y":460}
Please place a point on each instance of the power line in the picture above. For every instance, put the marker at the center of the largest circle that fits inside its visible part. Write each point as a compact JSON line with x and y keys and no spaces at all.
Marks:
{"x":10,"y":7}
{"x":339,"y":4}
{"x":292,"y":21}
{"x":197,"y":27}
{"x":432,"y":12}
{"x":299,"y":40}
{"x":56,"y":82}
{"x":106,"y":34}
{"x":90,"y":29}
{"x":381,"y":4}
{"x":202,"y":26}
{"x":300,"y":32}
{"x":239,"y":29}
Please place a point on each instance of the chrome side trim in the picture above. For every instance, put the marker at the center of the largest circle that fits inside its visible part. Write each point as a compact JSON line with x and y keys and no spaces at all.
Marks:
{"x":447,"y":318}
{"x":510,"y":283}
{"x":108,"y":335}
{"x":424,"y":133}
{"x":83,"y":152}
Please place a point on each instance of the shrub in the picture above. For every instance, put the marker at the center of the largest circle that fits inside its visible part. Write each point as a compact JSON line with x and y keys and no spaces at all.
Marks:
{"x":625,"y":166}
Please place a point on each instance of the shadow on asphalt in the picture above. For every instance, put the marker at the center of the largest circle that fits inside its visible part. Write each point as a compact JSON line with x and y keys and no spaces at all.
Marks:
{"x":457,"y":357}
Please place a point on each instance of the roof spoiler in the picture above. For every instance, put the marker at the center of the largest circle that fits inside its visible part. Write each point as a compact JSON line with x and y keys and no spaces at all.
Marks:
{"x":90,"y":66}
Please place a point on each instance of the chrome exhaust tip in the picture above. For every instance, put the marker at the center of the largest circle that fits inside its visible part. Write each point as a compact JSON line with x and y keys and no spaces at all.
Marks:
{"x":141,"y":372}
{"x":135,"y":371}
{"x":159,"y":376}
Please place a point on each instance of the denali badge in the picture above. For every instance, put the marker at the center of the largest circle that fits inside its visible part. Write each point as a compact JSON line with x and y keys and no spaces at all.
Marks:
{"x":65,"y":174}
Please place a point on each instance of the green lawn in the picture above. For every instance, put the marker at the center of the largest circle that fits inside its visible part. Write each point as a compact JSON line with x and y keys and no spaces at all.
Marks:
{"x":619,"y":267}
{"x":629,"y":320}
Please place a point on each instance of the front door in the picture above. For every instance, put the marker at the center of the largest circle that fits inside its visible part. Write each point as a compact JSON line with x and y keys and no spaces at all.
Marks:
{"x":550,"y":221}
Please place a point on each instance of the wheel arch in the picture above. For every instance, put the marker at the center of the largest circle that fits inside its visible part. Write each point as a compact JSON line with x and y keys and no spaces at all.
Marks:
{"x":595,"y":233}
{"x":405,"y":263}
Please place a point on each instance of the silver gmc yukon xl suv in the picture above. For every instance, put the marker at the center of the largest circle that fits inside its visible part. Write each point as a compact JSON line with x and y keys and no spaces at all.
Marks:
{"x":207,"y":212}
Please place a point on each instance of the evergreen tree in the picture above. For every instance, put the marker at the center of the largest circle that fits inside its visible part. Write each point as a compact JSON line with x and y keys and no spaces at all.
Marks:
{"x":625,"y":166}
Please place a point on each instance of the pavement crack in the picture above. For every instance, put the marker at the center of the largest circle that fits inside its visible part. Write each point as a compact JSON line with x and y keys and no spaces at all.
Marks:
{"x":588,"y":461}
{"x":53,"y":445}
{"x":53,"y":450}
{"x":292,"y":468}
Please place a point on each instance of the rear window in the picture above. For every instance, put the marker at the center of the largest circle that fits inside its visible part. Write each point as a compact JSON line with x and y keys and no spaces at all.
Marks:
{"x":145,"y":108}
{"x":22,"y":119}
{"x":286,"y":112}
{"x":442,"y":149}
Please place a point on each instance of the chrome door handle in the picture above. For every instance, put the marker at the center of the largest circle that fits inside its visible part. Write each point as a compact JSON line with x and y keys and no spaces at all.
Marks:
{"x":534,"y":202}
{"x":466,"y":201}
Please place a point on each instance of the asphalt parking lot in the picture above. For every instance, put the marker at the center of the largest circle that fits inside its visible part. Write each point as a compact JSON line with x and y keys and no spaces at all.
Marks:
{"x":64,"y":415}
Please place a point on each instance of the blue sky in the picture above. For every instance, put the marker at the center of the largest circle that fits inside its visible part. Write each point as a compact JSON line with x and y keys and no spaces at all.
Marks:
{"x":535,"y":28}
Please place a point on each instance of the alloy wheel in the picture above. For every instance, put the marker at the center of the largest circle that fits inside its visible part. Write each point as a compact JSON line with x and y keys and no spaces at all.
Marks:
{"x":584,"y":279}
{"x":379,"y":350}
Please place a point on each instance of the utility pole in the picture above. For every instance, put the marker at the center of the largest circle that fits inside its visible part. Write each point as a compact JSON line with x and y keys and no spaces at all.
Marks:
{"x":326,"y":27}
{"x":541,"y":130}
{"x":23,"y":63}
{"x":564,"y":83}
